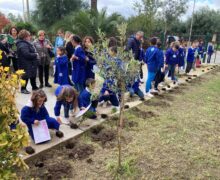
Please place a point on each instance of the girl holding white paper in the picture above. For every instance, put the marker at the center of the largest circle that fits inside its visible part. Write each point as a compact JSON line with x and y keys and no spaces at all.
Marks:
{"x":35,"y":111}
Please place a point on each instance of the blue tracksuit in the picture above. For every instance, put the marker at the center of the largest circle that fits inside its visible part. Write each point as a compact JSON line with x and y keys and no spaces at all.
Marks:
{"x":191,"y":55}
{"x":210,"y":50}
{"x":112,"y":97}
{"x":152,"y":59}
{"x":61,"y":72}
{"x":181,"y":57}
{"x":79,"y":69}
{"x":201,"y":50}
{"x":142,"y":55}
{"x":67,"y":106}
{"x":84,"y":100}
{"x":172,"y":59}
{"x":29,"y":115}
{"x":89,"y":65}
{"x":134,"y":89}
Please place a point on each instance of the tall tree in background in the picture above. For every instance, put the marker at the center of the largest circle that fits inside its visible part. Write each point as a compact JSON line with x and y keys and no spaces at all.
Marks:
{"x":50,"y":11}
{"x":171,"y":11}
{"x":94,"y":5}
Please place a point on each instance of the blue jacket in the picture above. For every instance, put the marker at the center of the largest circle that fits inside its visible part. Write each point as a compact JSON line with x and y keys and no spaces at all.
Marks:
{"x":172,"y":58}
{"x":135,"y":85}
{"x":181,"y":56}
{"x":210,"y":50}
{"x":152,"y":59}
{"x":84,"y":99}
{"x":134,"y":45}
{"x":79,"y":66}
{"x":201,"y":49}
{"x":107,"y":87}
{"x":61,"y":72}
{"x":89,"y":65}
{"x":60,"y":103}
{"x":59,"y":42}
{"x":191,"y":54}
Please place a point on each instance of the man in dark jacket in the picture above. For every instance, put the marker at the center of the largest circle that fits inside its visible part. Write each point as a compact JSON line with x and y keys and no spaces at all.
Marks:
{"x":134,"y":44}
{"x":28,"y":60}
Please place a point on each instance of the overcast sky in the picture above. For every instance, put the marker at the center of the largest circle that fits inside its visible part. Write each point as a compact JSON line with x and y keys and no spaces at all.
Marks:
{"x":124,"y":7}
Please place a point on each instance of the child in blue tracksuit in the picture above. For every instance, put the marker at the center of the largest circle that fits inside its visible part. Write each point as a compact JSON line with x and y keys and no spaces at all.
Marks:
{"x":107,"y":94}
{"x":191,"y":57}
{"x":85,"y":99}
{"x":79,"y":64}
{"x":90,"y":60}
{"x":201,"y":50}
{"x":35,"y":111}
{"x":182,"y":55}
{"x":172,"y":60}
{"x":210,"y":52}
{"x":67,"y":97}
{"x":61,"y":67}
{"x":152,"y":60}
{"x":160,"y":72}
{"x":135,"y":89}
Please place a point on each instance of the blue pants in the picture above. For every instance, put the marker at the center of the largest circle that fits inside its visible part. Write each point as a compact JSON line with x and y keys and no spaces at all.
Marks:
{"x":150,"y":78}
{"x":138,"y":92}
{"x":51,"y":123}
{"x":112,"y":98}
{"x":209,"y":58}
{"x":79,"y":87}
{"x":172,"y":71}
{"x":67,"y":108}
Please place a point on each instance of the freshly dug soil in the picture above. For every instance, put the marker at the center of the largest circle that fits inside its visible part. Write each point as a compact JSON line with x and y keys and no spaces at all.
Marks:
{"x":81,"y":151}
{"x":157,"y":103}
{"x":143,"y":114}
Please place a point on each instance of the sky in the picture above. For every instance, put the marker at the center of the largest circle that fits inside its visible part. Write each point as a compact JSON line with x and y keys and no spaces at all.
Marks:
{"x":124,"y":7}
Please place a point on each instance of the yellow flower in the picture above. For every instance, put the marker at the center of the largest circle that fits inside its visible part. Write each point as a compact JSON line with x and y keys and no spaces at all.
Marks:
{"x":23,"y":82}
{"x":20,"y":72}
{"x":0,"y":57}
{"x":6,"y":69}
{"x":14,"y":77}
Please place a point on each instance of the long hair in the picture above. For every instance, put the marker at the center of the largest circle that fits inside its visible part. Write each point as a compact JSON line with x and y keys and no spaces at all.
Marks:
{"x":84,"y":41}
{"x":69,"y":92}
{"x":36,"y":95}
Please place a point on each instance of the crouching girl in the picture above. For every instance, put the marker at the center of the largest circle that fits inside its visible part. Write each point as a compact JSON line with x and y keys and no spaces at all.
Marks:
{"x":35,"y":111}
{"x":66,"y":97}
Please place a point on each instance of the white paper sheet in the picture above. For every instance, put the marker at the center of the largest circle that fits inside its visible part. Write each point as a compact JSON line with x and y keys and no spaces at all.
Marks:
{"x":41,"y":132}
{"x":80,"y":113}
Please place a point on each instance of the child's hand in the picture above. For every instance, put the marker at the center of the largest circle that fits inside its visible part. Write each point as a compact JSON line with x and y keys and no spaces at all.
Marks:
{"x":59,"y":120}
{"x":74,"y":57}
{"x":82,"y":108}
{"x":36,"y":122}
{"x":106,"y":93}
{"x":48,"y":46}
{"x":87,"y":59}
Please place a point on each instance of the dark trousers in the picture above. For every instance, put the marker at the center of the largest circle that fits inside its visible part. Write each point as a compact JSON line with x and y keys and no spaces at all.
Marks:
{"x":112,"y":98}
{"x":14,"y":61}
{"x":43,"y":71}
{"x":189,"y":67}
{"x":33,"y":83}
{"x":159,"y":78}
{"x":141,"y":71}
{"x":209,"y":58}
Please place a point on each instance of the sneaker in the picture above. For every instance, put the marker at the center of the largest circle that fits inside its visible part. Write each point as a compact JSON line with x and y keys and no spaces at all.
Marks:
{"x":148,"y":94}
{"x":48,"y":85}
{"x":41,"y":86}
{"x":35,"y":88}
{"x":154,"y":91}
{"x":25,"y":91}
{"x":59,"y":134}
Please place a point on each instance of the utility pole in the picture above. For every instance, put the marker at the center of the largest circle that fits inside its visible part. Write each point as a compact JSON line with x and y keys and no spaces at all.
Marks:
{"x":28,"y":10}
{"x":24,"y":16}
{"x":190,"y":33}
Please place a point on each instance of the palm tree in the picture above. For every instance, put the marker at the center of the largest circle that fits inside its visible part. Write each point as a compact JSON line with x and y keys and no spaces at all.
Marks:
{"x":94,"y":5}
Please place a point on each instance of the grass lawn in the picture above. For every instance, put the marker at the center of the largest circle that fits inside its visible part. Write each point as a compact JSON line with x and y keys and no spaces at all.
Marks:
{"x":173,"y":136}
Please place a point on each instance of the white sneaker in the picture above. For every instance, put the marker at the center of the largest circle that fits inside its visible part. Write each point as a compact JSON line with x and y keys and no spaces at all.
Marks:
{"x":149,"y":94}
{"x":154,"y":91}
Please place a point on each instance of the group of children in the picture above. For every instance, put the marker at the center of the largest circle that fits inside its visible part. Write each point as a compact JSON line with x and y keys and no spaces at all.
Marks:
{"x":77,"y":92}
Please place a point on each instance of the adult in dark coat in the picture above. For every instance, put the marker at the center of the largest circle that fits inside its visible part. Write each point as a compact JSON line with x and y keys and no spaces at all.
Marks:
{"x":28,"y":59}
{"x":134,"y":44}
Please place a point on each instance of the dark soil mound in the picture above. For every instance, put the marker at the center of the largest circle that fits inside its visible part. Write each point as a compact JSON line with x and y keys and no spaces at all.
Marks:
{"x":81,"y":151}
{"x":143,"y":114}
{"x":104,"y":136}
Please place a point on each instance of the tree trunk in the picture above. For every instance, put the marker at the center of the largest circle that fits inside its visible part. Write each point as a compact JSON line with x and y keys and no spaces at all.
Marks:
{"x":119,"y":129}
{"x":94,"y":5}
